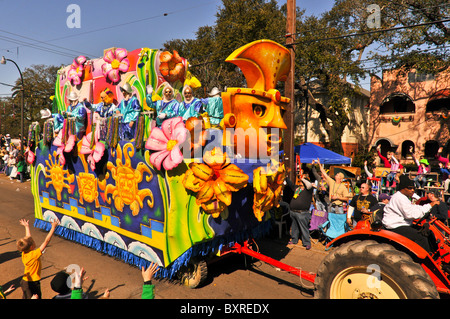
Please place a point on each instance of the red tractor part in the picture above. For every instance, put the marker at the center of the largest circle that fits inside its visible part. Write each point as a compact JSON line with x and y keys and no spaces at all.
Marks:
{"x":245,"y":249}
{"x":372,"y":263}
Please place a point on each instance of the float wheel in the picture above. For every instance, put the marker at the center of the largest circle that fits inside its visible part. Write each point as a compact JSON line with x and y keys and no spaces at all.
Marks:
{"x":194,"y":274}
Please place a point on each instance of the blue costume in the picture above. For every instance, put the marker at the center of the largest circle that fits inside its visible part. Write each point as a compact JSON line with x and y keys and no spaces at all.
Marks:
{"x":58,"y":122}
{"x":104,"y":110}
{"x":130,"y":112}
{"x":170,"y":108}
{"x":78,"y":113}
{"x":214,"y":108}
{"x":190,"y":109}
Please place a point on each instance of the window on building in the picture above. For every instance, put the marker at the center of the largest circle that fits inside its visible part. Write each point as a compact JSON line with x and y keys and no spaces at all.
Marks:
{"x":414,"y":77}
{"x":386,"y":146}
{"x":439,"y":101}
{"x":431,"y":148}
{"x":397,"y":103}
{"x":406,"y":148}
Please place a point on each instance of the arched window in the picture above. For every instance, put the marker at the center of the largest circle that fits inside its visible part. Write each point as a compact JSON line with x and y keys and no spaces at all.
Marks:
{"x":446,"y":149}
{"x":439,"y":101}
{"x":386,"y":146}
{"x":431,"y":148}
{"x":397,"y":103}
{"x":406,"y":148}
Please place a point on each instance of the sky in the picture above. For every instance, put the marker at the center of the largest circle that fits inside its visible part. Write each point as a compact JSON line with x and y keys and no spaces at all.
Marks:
{"x":55,"y":32}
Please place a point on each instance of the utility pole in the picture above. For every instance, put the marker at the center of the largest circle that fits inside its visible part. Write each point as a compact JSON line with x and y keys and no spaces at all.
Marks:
{"x":289,"y":91}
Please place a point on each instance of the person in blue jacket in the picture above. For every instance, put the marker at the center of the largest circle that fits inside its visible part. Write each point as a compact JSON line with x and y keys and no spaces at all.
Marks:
{"x":106,"y":107}
{"x":77,"y":112}
{"x":191,"y":106}
{"x":165,"y":108}
{"x":129,"y":108}
{"x":214,"y":106}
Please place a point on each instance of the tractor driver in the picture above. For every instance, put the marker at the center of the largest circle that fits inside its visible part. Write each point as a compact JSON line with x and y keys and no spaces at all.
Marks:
{"x":399,"y":213}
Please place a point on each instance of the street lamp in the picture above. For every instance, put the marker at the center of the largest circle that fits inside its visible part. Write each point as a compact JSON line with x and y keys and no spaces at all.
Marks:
{"x":3,"y":61}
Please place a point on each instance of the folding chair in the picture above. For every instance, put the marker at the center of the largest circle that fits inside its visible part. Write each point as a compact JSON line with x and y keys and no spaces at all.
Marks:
{"x":318,"y":217}
{"x":282,"y":221}
{"x":335,"y":226}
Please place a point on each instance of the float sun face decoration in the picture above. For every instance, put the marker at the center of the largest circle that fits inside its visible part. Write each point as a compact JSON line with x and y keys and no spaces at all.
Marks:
{"x":59,"y":177}
{"x":87,"y":186}
{"x":126,"y":191}
{"x":258,"y":110}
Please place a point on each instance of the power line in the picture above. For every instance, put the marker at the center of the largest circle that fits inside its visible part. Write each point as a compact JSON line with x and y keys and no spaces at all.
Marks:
{"x":356,"y":22}
{"x":8,"y":39}
{"x":98,"y":30}
{"x":371,"y":32}
{"x":43,"y":42}
{"x":6,"y":84}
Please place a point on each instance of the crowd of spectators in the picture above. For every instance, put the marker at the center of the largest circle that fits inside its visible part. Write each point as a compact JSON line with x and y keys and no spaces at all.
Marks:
{"x":12,"y":161}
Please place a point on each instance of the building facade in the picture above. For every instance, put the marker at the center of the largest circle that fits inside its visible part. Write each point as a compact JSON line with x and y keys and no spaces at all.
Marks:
{"x":310,"y":129}
{"x":409,"y":110}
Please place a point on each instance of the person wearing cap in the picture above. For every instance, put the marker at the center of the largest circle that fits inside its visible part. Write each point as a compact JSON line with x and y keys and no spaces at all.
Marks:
{"x":191,"y":106}
{"x":167,"y":107}
{"x":378,"y":209}
{"x":66,"y":289}
{"x":59,"y":285}
{"x":400,"y":212}
{"x":76,"y":111}
{"x":423,"y":168}
{"x":214,"y":106}
{"x":129,"y":108}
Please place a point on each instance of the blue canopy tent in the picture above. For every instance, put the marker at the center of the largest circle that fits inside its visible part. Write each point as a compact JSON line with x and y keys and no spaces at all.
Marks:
{"x":309,"y":152}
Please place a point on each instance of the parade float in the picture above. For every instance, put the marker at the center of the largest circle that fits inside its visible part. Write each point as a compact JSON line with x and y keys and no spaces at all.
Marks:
{"x":177,"y":191}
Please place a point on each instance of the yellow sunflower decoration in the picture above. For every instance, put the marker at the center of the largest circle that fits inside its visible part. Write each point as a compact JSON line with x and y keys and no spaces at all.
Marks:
{"x":267,"y":186}
{"x":214,"y":181}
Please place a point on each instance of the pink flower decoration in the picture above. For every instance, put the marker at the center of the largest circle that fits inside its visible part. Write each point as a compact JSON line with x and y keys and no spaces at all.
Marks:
{"x":165,"y":141}
{"x":95,"y":154}
{"x":116,"y":62}
{"x":30,"y":156}
{"x":64,"y":147}
{"x":76,"y":70}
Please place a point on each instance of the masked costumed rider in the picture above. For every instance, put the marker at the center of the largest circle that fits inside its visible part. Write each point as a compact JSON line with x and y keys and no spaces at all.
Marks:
{"x":191,"y":106}
{"x":76,"y":111}
{"x":165,"y":108}
{"x":129,"y":108}
{"x":214,"y":106}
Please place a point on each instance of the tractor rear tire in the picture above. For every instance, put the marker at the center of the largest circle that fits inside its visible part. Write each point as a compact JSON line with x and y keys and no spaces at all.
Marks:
{"x":371,"y":270}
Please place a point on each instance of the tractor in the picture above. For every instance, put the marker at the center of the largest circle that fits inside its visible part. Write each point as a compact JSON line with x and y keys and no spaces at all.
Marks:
{"x":369,"y":262}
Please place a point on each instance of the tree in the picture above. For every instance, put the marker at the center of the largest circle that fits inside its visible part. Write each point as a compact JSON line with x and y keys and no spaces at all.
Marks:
{"x":336,"y":48}
{"x":411,"y":32}
{"x":238,"y":23}
{"x":329,"y":63}
{"x":339,"y":45}
{"x":39,"y":82}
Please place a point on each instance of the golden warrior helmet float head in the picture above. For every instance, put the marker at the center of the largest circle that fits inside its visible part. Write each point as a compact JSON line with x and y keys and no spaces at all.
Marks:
{"x":256,"y":112}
